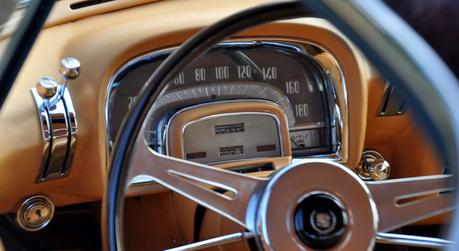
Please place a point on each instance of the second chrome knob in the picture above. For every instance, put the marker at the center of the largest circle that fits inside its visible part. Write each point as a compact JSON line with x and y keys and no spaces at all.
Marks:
{"x":372,"y":166}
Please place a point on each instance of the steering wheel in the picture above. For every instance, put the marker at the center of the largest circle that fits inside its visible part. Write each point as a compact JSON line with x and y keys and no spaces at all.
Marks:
{"x":284,"y":211}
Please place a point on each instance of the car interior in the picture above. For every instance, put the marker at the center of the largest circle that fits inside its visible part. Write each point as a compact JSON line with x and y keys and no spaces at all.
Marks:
{"x":228,"y":125}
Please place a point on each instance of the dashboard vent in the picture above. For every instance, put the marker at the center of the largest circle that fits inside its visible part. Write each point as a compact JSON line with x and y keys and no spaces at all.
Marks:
{"x":392,"y":103}
{"x":87,"y":3}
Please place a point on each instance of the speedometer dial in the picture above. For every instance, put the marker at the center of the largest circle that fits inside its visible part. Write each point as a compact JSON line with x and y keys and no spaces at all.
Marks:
{"x":278,"y":72}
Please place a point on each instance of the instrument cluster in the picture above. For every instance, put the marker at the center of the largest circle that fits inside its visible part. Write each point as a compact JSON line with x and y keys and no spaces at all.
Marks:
{"x":283,"y":73}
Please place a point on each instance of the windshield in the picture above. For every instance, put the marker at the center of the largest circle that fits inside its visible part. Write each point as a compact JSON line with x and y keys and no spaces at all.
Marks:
{"x":11,"y":14}
{"x":20,"y":23}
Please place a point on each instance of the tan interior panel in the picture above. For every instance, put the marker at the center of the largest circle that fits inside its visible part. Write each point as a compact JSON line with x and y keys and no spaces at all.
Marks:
{"x":399,"y":139}
{"x":213,"y":225}
{"x":401,"y":142}
{"x":156,"y":229}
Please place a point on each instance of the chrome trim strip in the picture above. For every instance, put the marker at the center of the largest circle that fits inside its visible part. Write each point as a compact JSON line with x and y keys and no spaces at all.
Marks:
{"x":59,"y":133}
{"x":45,"y":130}
{"x":112,"y":85}
{"x":217,"y":241}
{"x":412,"y":240}
{"x":72,"y":127}
{"x":59,"y":140}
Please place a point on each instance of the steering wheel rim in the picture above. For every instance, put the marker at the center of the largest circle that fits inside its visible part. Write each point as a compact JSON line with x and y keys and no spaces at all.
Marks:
{"x":372,"y":35}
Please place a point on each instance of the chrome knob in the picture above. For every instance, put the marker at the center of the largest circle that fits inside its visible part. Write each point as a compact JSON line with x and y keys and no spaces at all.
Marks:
{"x":35,"y":213}
{"x":380,"y":170}
{"x":372,"y":166}
{"x":46,"y":87}
{"x":69,"y":68}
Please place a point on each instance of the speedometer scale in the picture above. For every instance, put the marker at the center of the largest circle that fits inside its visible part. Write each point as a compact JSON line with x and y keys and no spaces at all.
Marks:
{"x":281,"y":73}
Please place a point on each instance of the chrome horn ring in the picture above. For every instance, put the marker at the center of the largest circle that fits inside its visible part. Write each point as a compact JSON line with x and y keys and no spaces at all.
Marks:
{"x":317,"y":188}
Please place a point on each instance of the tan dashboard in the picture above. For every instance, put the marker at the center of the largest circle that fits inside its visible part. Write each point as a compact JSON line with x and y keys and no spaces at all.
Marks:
{"x":104,"y":39}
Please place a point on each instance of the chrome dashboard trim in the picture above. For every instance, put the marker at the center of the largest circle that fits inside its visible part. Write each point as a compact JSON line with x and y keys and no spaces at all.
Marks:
{"x":45,"y":130}
{"x":59,"y":133}
{"x":112,"y":85}
{"x":336,"y":113}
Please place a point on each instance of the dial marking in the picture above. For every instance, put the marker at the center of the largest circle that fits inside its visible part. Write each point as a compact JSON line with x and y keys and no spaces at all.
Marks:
{"x":179,"y":96}
{"x":246,"y":88}
{"x":161,"y":103}
{"x":261,"y":93}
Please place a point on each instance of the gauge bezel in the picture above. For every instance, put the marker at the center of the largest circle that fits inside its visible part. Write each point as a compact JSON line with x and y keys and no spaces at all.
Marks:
{"x":224,"y":108}
{"x":335,"y":111}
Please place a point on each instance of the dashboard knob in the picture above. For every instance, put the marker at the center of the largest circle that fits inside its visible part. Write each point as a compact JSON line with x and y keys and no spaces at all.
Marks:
{"x":380,"y":170}
{"x":69,"y":68}
{"x":46,"y":87}
{"x":372,"y":166}
{"x":35,"y":213}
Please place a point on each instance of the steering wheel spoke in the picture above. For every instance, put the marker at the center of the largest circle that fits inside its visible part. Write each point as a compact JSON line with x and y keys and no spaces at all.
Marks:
{"x":403,"y":201}
{"x":227,"y":193}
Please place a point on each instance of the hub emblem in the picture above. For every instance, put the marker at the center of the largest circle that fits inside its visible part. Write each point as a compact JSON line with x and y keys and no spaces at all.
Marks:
{"x":323,"y":222}
{"x":320,"y":220}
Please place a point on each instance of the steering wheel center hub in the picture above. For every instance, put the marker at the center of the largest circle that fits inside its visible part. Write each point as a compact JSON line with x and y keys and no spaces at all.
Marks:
{"x":317,"y":205}
{"x":320,"y":220}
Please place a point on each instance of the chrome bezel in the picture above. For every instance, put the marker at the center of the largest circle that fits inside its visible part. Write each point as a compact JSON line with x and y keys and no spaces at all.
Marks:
{"x":335,"y":110}
{"x":276,"y":119}
{"x":26,"y":205}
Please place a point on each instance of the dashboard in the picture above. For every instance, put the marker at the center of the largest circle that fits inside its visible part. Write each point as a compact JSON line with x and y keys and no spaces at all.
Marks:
{"x":299,"y":81}
{"x":267,"y":97}
{"x":284,"y":74}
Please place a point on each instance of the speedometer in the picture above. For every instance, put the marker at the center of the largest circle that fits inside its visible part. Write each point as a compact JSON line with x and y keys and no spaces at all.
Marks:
{"x":282,"y":73}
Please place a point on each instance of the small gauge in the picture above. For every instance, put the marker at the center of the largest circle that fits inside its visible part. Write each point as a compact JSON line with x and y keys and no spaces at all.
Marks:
{"x":305,"y":139}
